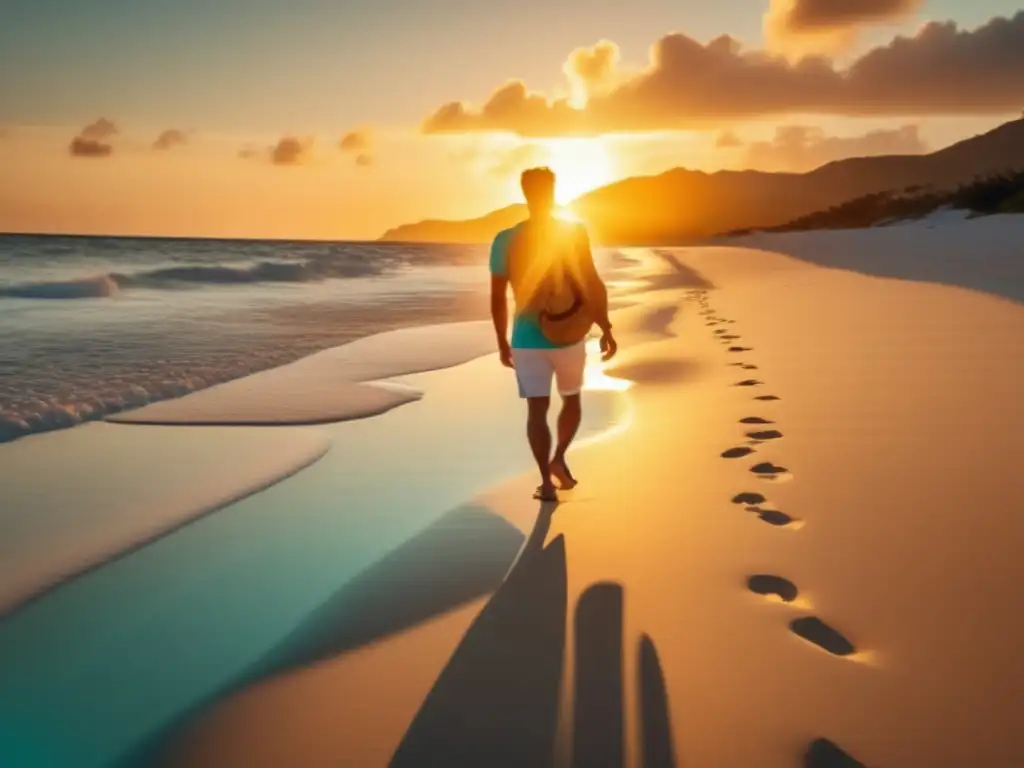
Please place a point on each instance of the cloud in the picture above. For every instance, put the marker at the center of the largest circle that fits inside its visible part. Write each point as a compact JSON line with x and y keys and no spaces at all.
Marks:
{"x":801,"y":148}
{"x":356,"y":141}
{"x":99,"y":130}
{"x":83,"y":147}
{"x":91,"y":140}
{"x":172,"y":137}
{"x":804,"y":26}
{"x":811,"y":15}
{"x":941,"y":70}
{"x":359,"y":143}
{"x":291,"y":150}
{"x":728,"y":140}
{"x":592,"y":70}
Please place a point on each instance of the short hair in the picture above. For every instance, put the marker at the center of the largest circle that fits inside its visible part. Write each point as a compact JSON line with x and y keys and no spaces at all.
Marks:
{"x":536,"y":178}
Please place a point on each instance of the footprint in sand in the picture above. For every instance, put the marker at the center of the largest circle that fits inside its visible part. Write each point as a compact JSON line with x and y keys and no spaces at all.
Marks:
{"x":773,"y":586}
{"x":747,"y":367}
{"x":767,"y":397}
{"x":740,"y":349}
{"x":748,"y":383}
{"x":814,"y":630}
{"x":765,"y":434}
{"x":773,"y":516}
{"x":755,"y":420}
{"x":749,"y":498}
{"x":822,"y":753}
{"x":737,"y":453}
{"x":730,"y":337}
{"x":752,"y":503}
{"x":768,"y":471}
{"x":720,"y":331}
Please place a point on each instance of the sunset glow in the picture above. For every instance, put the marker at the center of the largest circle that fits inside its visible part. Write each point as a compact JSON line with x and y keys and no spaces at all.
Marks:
{"x":580,"y":165}
{"x":224,"y":143}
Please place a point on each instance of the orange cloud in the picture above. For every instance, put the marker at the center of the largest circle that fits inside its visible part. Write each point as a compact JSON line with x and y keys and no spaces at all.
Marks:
{"x":592,"y":70}
{"x":805,"y":26}
{"x":172,"y":137}
{"x":99,"y":130}
{"x":83,"y":147}
{"x":291,"y":150}
{"x":90,"y":141}
{"x":940,"y":70}
{"x":801,"y":148}
{"x":355,"y":141}
{"x":358,"y":142}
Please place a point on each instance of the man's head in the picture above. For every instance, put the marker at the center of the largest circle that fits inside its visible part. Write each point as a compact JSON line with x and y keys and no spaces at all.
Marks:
{"x":539,"y":189}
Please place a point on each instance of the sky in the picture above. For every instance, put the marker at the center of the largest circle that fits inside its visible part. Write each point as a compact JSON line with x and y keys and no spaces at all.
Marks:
{"x":258,"y":118}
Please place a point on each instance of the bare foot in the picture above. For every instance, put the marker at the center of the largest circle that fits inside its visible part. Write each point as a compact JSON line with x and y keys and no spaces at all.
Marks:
{"x":560,"y":471}
{"x":546,"y":492}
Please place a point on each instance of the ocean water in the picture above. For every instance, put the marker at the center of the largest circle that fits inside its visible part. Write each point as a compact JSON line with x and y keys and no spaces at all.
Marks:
{"x":90,"y":326}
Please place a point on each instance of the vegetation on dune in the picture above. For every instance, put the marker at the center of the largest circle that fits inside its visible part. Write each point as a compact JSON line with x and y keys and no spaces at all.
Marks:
{"x":997,"y":193}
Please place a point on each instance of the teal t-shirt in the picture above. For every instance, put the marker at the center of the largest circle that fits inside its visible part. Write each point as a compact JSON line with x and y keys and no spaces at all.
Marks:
{"x":526,"y":332}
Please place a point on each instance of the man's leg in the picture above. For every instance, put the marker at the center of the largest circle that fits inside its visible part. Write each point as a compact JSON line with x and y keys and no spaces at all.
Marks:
{"x":539,"y":435}
{"x":534,"y":373}
{"x":569,"y":374}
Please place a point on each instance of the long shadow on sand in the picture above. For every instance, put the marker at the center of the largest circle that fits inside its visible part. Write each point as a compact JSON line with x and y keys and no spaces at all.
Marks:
{"x":462,"y":556}
{"x":497,"y":701}
{"x":685,"y":276}
{"x":599,"y":696}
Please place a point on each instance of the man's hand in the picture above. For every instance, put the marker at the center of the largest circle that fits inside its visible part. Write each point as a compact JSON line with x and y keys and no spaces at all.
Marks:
{"x":505,"y":354}
{"x":608,"y":345}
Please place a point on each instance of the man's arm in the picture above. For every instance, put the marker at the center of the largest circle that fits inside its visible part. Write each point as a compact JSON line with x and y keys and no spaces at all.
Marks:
{"x":499,"y":300}
{"x":499,"y":307}
{"x":596,"y":291}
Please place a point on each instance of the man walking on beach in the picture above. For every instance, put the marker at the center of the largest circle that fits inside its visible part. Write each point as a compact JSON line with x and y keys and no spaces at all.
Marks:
{"x":558,"y":296}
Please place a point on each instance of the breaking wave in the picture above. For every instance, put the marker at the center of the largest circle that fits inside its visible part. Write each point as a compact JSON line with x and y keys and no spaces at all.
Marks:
{"x":176,"y":277}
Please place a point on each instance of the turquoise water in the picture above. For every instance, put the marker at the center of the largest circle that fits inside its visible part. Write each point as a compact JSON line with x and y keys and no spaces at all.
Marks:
{"x":105,"y":663}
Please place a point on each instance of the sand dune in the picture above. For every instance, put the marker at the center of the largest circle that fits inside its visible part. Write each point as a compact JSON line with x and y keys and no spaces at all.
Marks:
{"x":983,"y":254}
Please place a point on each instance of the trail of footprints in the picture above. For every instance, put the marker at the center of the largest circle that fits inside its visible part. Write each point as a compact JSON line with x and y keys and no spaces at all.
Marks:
{"x":761,"y":431}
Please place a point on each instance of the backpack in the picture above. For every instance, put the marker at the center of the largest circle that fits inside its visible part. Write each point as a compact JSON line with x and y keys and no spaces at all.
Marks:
{"x":546,"y":280}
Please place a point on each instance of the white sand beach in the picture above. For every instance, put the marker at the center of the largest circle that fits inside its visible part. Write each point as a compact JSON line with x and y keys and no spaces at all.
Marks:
{"x":796,"y":541}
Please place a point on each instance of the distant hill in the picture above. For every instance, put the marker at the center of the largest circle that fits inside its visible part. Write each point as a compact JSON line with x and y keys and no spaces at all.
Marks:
{"x":1001,"y":193}
{"x":682,"y":205}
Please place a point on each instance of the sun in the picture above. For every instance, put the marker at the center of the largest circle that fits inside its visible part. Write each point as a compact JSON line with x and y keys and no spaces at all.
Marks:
{"x":580,"y":165}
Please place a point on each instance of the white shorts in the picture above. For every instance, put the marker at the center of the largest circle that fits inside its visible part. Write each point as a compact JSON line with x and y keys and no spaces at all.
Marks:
{"x":535,"y":368}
